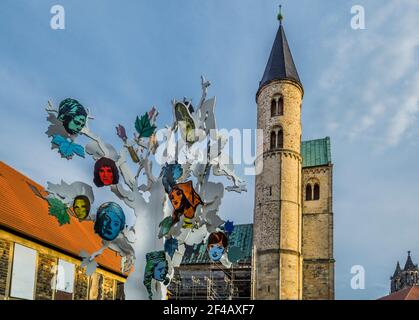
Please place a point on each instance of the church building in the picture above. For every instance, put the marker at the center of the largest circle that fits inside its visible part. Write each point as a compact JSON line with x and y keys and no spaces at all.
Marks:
{"x":293,"y":214}
{"x":406,"y":277}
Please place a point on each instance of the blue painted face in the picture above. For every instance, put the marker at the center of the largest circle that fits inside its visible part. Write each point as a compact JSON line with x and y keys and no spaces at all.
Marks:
{"x":216,"y":251}
{"x":110,"y":221}
{"x":160,"y":271}
{"x":110,"y":224}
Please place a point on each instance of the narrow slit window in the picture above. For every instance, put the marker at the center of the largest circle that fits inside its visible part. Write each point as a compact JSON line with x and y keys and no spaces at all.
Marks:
{"x":316,"y":192}
{"x":280,"y":107}
{"x":273,"y":108}
{"x":308,"y":192}
{"x":280,"y":140}
{"x":273,"y":140}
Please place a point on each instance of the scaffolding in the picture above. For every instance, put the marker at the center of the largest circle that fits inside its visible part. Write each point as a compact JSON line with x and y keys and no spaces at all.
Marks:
{"x":212,"y":283}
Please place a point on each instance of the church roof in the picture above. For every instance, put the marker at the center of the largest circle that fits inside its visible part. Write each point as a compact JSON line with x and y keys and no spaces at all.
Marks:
{"x":241,"y":237}
{"x":316,"y":152}
{"x":280,"y":64}
{"x":409,"y":265}
{"x":409,"y":293}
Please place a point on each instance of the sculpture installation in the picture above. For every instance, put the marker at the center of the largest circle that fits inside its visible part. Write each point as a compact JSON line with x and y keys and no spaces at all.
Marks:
{"x":177,"y":208}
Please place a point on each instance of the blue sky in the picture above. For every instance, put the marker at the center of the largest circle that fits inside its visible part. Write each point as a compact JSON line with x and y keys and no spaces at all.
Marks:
{"x":120,"y":58}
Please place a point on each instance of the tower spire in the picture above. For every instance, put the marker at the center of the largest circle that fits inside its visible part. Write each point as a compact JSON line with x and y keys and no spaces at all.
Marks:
{"x":398,"y":270}
{"x":409,"y":265}
{"x":281,"y":64}
{"x":280,"y":16}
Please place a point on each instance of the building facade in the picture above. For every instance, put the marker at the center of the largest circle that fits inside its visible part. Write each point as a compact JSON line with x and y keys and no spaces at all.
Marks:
{"x":198,"y":278}
{"x":317,"y":228}
{"x":293,"y":217}
{"x":39,"y":259}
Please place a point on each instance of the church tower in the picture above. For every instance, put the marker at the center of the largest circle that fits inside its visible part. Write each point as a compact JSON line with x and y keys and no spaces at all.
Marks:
{"x":277,"y":259}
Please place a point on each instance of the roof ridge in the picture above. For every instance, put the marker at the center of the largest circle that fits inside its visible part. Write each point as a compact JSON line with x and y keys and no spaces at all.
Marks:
{"x":23,"y":175}
{"x":318,"y":139}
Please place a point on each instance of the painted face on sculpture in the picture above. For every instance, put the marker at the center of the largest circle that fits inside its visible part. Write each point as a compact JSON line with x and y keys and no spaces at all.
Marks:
{"x":160,"y":271}
{"x":73,"y":115}
{"x":81,"y":208}
{"x":110,"y":221}
{"x":176,"y":197}
{"x":106,"y":175}
{"x":216,"y":251}
{"x":111,"y":226}
{"x":76,"y":124}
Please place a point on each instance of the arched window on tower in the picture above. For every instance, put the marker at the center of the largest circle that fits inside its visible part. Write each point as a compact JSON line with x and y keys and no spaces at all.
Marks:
{"x":273,"y":140}
{"x":277,"y":106}
{"x":309,"y":195}
{"x":273,"y":107}
{"x":280,"y":106}
{"x":280,"y":139}
{"x":316,"y":193}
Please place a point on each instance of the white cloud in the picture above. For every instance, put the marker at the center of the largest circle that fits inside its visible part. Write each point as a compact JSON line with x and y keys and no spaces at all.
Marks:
{"x":371,"y":71}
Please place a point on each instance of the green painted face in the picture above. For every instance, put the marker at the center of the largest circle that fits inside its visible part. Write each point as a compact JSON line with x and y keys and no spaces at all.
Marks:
{"x":76,"y":124}
{"x":80,"y":208}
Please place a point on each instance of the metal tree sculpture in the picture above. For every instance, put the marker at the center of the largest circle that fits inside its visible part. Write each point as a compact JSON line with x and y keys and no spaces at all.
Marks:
{"x":182,"y":206}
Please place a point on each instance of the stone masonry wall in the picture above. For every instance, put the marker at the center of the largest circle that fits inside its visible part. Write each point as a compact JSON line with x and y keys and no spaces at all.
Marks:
{"x":277,"y":212}
{"x":4,"y":265}
{"x":47,"y":265}
{"x":81,"y":284}
{"x":318,"y":265}
{"x":46,"y":269}
{"x":108,"y":288}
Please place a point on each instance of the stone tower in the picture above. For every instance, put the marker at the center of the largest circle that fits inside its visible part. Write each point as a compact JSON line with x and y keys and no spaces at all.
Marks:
{"x":277,"y":259}
{"x":317,"y":229}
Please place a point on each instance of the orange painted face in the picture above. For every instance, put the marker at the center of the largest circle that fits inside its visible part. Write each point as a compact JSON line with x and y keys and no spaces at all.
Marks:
{"x":176,"y":198}
{"x":106,"y":175}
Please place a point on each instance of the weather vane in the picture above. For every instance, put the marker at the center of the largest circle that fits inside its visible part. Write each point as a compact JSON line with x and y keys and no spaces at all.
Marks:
{"x":280,"y":16}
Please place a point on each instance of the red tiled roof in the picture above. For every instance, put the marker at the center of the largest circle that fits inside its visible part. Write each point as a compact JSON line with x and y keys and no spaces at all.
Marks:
{"x":409,"y":293}
{"x":22,"y":211}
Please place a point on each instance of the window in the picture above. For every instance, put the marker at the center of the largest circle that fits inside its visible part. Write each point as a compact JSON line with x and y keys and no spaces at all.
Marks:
{"x":273,"y":140}
{"x":120,"y":295}
{"x":308,"y":192}
{"x":273,"y":108}
{"x":316,"y":192}
{"x":280,"y":140}
{"x":312,"y":193}
{"x":277,"y":139}
{"x":277,"y":106}
{"x":280,"y":106}
{"x":23,"y":273}
{"x":64,"y":280}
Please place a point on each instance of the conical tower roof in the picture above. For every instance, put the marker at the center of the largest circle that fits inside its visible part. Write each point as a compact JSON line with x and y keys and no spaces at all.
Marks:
{"x":409,"y":263}
{"x":398,"y":270}
{"x":281,"y":64}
